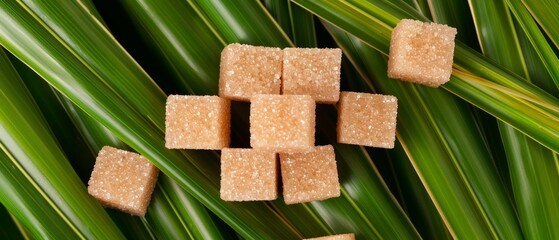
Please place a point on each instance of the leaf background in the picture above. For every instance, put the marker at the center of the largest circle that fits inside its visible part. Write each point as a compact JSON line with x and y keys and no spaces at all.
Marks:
{"x":453,"y":174}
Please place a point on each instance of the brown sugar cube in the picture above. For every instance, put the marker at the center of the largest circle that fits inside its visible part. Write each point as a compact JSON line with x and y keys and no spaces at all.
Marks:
{"x":248,"y":175}
{"x":247,"y":70}
{"x":282,"y":122}
{"x":309,"y":176}
{"x":348,"y":236}
{"x":123,"y":180}
{"x":421,"y":52}
{"x":367,"y":119}
{"x":197,"y":122}
{"x":312,"y":71}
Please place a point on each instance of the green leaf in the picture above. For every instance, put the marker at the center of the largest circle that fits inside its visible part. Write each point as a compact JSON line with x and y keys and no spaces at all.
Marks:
{"x":30,"y":147}
{"x":9,"y":225}
{"x":82,"y":156}
{"x":24,"y":202}
{"x":539,"y":43}
{"x":308,"y":219}
{"x":230,"y":17}
{"x":545,"y":12}
{"x":458,"y":176}
{"x":535,"y":184}
{"x":153,"y":17}
{"x":75,"y":149}
{"x":373,"y":25}
{"x":414,"y":197}
{"x":455,"y":14}
{"x":115,"y":104}
{"x":500,"y":42}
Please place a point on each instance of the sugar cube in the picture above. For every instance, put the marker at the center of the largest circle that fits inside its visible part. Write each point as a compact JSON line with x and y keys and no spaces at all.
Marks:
{"x":248,"y":175}
{"x":367,"y":119}
{"x":123,"y":180}
{"x":247,"y":70}
{"x":197,"y":122}
{"x":282,"y":122}
{"x":312,"y":71}
{"x":309,"y":176}
{"x":348,"y":236}
{"x":421,"y":52}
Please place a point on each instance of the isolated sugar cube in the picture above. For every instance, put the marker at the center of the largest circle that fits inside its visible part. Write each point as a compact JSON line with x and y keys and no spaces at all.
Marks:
{"x":367,"y":119}
{"x":349,"y":236}
{"x":282,"y":122}
{"x":247,"y":70}
{"x":421,"y":52}
{"x":197,"y":122}
{"x":312,"y":71}
{"x":248,"y":175}
{"x":309,"y":176}
{"x":123,"y":180}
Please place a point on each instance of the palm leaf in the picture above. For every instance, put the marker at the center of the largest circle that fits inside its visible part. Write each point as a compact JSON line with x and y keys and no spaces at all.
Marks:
{"x":38,"y":164}
{"x":9,"y":224}
{"x":85,"y":87}
{"x":373,"y":23}
{"x":449,"y":181}
{"x":544,"y":12}
{"x":338,"y":223}
{"x":496,"y":30}
{"x":453,"y":173}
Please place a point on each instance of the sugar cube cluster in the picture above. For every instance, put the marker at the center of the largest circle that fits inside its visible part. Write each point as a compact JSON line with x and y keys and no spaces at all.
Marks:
{"x":283,"y":87}
{"x":282,"y":121}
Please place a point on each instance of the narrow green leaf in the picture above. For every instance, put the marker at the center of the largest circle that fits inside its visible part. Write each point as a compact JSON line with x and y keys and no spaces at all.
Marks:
{"x":545,"y":12}
{"x":114,"y":105}
{"x":535,"y":184}
{"x":25,"y":203}
{"x":279,"y":10}
{"x":193,"y":215}
{"x":9,"y":226}
{"x":82,"y":156}
{"x":415,"y":199}
{"x":410,"y":192}
{"x":308,"y":218}
{"x":500,"y":42}
{"x":529,"y":162}
{"x":75,"y":149}
{"x":454,"y":14}
{"x":83,"y":35}
{"x":30,"y":147}
{"x":174,"y":214}
{"x":537,"y":70}
{"x":373,"y":25}
{"x":539,"y":43}
{"x":497,"y":36}
{"x":462,"y":186}
{"x":302,"y":24}
{"x":230,"y":17}
{"x":187,"y":56}
{"x":294,"y":20}
{"x":423,"y":7}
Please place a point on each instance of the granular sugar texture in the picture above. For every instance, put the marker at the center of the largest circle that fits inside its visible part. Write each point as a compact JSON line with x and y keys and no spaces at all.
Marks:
{"x":312,"y":71}
{"x":309,"y":176}
{"x":123,"y":180}
{"x":247,"y":70}
{"x":367,"y":119}
{"x":421,"y":52}
{"x":248,"y":175}
{"x":197,"y":122}
{"x":282,"y":122}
